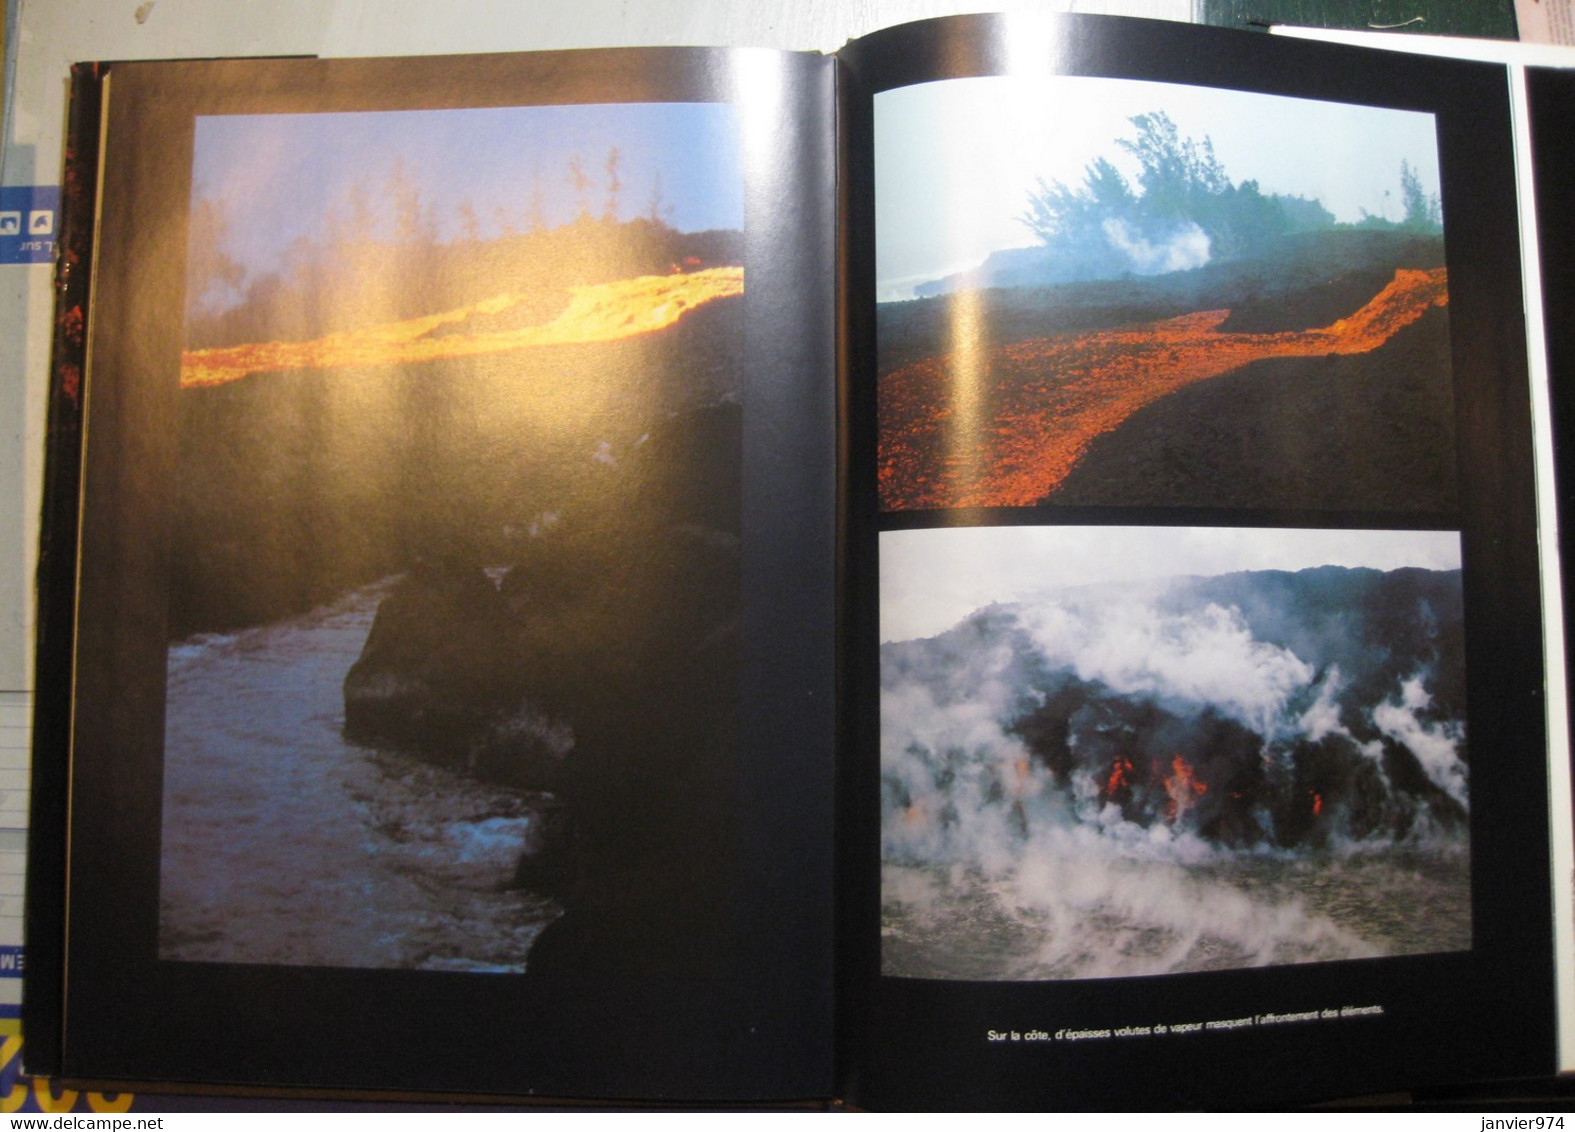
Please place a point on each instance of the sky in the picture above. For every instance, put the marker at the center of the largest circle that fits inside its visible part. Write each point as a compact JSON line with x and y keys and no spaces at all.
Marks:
{"x":281,"y":175}
{"x":932,"y":579}
{"x":956,"y":160}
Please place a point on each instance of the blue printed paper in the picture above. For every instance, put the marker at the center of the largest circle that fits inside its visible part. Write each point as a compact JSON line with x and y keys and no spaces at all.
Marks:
{"x":29,"y":221}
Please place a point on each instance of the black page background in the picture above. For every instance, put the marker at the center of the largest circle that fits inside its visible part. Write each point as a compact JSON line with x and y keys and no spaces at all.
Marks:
{"x":762,"y":1031}
{"x":1552,"y":97}
{"x":1479,"y":1015}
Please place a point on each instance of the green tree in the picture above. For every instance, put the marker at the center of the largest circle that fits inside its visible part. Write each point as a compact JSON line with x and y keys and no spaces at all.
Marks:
{"x":469,"y":222}
{"x":581,"y":183}
{"x":1059,"y":212}
{"x":413,"y":221}
{"x":1177,"y":173}
{"x":211,"y":274}
{"x":1181,"y":189}
{"x":614,"y":186}
{"x":1422,"y":211}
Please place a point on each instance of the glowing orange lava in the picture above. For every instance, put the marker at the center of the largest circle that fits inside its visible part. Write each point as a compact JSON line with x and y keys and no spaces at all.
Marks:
{"x":1120,"y":775}
{"x":602,"y":312}
{"x":1183,"y":788}
{"x":947,"y":442}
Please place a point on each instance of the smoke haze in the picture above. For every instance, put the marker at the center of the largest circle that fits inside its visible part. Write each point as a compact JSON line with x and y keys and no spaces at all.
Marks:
{"x":1123,"y":754}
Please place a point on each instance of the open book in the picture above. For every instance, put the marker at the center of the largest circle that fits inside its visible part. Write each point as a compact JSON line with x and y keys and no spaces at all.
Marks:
{"x":996,"y":568}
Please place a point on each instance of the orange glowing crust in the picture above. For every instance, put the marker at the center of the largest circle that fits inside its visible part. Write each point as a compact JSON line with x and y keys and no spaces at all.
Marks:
{"x":602,"y":312}
{"x":1183,"y":787}
{"x":1120,"y":775}
{"x":1005,"y":433}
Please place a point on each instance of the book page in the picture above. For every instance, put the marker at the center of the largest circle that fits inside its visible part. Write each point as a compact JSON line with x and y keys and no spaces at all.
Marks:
{"x":1180,"y":555}
{"x":442,"y":598}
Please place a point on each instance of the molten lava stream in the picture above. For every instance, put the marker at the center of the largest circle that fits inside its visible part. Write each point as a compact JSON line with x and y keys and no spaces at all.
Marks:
{"x":601,"y":312}
{"x":1044,"y":401}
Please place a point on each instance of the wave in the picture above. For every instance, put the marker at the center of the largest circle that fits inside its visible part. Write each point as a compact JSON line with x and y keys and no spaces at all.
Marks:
{"x":282,"y":843}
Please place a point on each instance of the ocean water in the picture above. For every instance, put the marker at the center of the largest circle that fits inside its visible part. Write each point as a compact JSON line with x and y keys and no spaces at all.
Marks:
{"x":282,"y":843}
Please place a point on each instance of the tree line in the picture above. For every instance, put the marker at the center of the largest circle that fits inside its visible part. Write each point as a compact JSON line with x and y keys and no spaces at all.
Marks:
{"x":381,"y":255}
{"x":1183,"y":197}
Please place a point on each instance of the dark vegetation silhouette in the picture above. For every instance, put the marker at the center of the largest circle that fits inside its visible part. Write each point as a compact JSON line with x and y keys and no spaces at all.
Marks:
{"x":1182,"y":190}
{"x":1110,"y":226}
{"x":374,"y":264}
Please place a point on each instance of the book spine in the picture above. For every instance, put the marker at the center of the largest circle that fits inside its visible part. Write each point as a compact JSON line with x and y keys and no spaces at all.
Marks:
{"x":56,"y":582}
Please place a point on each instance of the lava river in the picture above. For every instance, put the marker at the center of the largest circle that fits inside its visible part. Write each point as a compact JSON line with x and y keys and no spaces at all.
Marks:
{"x":600,"y":312}
{"x":1003,"y":426}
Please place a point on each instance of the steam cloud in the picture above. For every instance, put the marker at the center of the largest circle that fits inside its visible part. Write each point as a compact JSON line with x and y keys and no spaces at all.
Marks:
{"x":1183,"y":248}
{"x":1104,"y":756}
{"x":1163,"y":715}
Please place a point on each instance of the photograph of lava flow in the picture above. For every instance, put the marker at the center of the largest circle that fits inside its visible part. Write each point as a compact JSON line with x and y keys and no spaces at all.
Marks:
{"x":455,"y":548}
{"x":1119,"y":751}
{"x":1169,"y":296}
